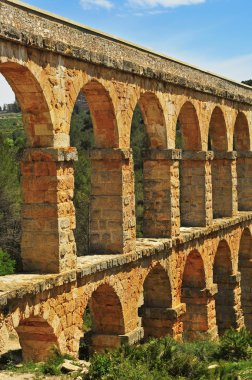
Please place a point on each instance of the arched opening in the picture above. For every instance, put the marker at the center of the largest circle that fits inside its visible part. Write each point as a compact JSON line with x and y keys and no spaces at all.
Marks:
{"x":245,"y":268}
{"x":241,"y":143}
{"x":195,"y":320}
{"x":37,"y":339}
{"x":148,"y":133}
{"x":10,"y":347}
{"x":192,"y":169}
{"x":21,"y":112}
{"x":99,"y":175}
{"x":35,"y":111}
{"x":188,"y":135}
{"x":223,"y":185}
{"x":157,"y":302}
{"x":241,"y":140}
{"x":103,"y":115}
{"x":224,"y":300}
{"x":139,"y":142}
{"x":217,"y":140}
{"x":105,"y":320}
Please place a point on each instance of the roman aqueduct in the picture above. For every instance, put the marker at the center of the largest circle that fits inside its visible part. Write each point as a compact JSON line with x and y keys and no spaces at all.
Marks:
{"x":192,"y":272}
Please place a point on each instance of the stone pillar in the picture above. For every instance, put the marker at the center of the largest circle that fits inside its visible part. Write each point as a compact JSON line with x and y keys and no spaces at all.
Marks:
{"x":244,"y":180}
{"x":112,"y":210}
{"x":228,"y":303}
{"x":48,"y":216}
{"x":200,"y":315}
{"x":162,"y":321}
{"x":224,"y":183}
{"x":161,"y":193}
{"x":196,"y":189}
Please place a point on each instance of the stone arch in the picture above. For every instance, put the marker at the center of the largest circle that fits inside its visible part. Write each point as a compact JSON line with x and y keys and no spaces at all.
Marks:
{"x":195,"y":320}
{"x":189,"y":128}
{"x":107,"y":318}
{"x":154,"y":119}
{"x":241,"y":140}
{"x":157,"y":299}
{"x":245,"y":268}
{"x":37,"y":338}
{"x":103,"y":114}
{"x":222,"y":276}
{"x":35,"y":110}
{"x":192,"y":172}
{"x":218,"y":139}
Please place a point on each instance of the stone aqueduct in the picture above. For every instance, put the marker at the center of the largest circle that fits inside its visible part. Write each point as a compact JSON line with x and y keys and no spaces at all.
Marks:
{"x":192,"y":272}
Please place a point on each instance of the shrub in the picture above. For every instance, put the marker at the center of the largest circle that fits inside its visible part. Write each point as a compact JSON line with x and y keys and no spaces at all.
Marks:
{"x":53,"y":364}
{"x":7,"y":265}
{"x":100,"y":366}
{"x":235,"y":345}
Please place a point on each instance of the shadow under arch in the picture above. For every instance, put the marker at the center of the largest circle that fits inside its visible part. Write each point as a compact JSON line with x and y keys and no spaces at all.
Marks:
{"x":154,"y":120}
{"x":217,"y":133}
{"x":241,"y":138}
{"x":37,"y":339}
{"x":157,"y":303}
{"x":195,"y":320}
{"x":245,"y":268}
{"x":241,"y":143}
{"x":103,"y":115}
{"x":31,"y":98}
{"x":107,"y":320}
{"x":188,"y":134}
{"x":224,"y":299}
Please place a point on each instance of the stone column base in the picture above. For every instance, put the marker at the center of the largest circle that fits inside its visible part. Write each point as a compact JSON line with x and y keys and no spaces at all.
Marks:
{"x":101,"y":342}
{"x":158,"y":321}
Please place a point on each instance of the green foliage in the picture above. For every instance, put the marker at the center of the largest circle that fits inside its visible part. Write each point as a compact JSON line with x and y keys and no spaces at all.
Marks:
{"x":235,"y":345}
{"x":139,"y":142}
{"x":53,"y":365}
{"x":7,"y":264}
{"x":247,"y":82}
{"x":101,"y":366}
{"x":167,"y":359}
{"x":10,"y":199}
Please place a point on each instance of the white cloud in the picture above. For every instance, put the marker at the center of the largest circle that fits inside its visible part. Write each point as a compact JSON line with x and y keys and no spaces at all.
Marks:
{"x":164,"y":3}
{"x":6,"y":94}
{"x":87,"y":4}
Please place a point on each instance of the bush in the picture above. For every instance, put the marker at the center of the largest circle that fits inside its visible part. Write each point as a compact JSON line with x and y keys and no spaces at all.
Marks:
{"x":235,"y":345}
{"x":7,"y":264}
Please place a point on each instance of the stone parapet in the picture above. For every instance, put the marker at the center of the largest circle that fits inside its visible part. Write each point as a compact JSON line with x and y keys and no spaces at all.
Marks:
{"x":171,"y":314}
{"x":50,"y":154}
{"x":225,"y":155}
{"x":162,"y":154}
{"x":30,"y":26}
{"x":197,"y":156}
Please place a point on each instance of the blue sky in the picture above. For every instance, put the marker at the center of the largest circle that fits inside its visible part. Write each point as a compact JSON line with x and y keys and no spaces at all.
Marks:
{"x":211,"y":34}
